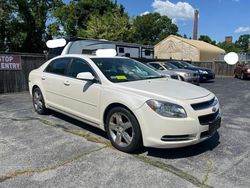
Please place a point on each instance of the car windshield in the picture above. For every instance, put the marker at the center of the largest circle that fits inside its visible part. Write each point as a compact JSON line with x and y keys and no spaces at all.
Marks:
{"x":150,"y":66}
{"x":187,"y":64}
{"x":169,"y":66}
{"x":124,"y":70}
{"x":177,"y":64}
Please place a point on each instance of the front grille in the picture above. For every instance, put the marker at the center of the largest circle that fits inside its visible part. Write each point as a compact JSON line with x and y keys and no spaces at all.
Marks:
{"x":175,"y":138}
{"x":195,"y":75}
{"x":204,"y":105}
{"x":174,"y":77}
{"x":206,"y":119}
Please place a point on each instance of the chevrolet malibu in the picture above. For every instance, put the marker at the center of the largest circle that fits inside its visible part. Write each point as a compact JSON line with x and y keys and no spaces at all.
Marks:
{"x":134,"y":104}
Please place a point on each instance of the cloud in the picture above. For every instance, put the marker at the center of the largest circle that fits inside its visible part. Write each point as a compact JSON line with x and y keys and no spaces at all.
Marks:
{"x":144,"y":13}
{"x":179,"y":11}
{"x":242,"y":29}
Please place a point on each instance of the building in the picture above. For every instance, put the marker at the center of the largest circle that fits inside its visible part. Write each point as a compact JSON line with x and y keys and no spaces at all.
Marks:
{"x":174,"y":47}
{"x":229,"y":39}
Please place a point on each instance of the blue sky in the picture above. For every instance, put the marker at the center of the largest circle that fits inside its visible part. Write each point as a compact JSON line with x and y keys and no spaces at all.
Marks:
{"x":217,"y":18}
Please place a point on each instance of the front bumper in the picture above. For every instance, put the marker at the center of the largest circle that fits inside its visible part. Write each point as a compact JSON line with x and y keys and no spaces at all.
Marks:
{"x":193,"y":80}
{"x":204,"y":77}
{"x":247,"y":74}
{"x":163,"y":132}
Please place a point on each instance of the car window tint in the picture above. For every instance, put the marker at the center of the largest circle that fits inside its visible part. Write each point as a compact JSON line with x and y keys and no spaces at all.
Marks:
{"x":78,"y":66}
{"x":58,"y":66}
{"x":155,"y":65}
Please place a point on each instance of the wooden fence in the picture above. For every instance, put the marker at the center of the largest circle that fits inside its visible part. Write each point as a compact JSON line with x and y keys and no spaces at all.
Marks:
{"x":16,"y":81}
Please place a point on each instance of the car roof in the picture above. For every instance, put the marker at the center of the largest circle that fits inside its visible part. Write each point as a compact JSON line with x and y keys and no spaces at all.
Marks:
{"x":89,"y":56}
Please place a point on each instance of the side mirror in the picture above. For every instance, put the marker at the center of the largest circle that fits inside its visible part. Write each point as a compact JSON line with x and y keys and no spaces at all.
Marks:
{"x":87,"y":76}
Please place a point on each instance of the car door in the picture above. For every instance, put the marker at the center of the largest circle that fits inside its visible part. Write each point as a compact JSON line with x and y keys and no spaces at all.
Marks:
{"x":81,"y":98}
{"x":52,"y":82}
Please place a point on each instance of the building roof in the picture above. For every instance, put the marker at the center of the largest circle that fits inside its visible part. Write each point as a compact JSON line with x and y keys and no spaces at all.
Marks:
{"x":200,"y":45}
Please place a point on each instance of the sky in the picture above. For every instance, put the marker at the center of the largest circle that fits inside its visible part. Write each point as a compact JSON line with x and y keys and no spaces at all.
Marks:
{"x":217,"y":18}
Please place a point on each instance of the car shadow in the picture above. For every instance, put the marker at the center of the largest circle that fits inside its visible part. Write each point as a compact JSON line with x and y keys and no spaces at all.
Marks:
{"x":184,"y":152}
{"x":174,"y":153}
{"x":80,"y":124}
{"x":207,"y":81}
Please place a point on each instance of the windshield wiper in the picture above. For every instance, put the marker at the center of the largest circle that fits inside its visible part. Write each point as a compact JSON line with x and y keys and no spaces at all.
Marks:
{"x":154,"y":77}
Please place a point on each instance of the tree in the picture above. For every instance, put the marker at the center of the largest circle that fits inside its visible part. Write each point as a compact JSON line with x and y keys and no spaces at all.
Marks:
{"x":207,"y":39}
{"x":23,"y":25}
{"x":243,"y":42}
{"x":229,"y":47}
{"x":75,"y":16}
{"x":112,"y":25}
{"x":152,"y":28}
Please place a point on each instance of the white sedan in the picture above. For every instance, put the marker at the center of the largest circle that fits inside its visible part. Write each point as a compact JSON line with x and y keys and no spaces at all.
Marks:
{"x":133,"y":103}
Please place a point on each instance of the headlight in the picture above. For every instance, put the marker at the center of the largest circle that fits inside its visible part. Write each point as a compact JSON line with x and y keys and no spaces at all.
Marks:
{"x":248,"y":70}
{"x":187,"y":75}
{"x":166,"y":75}
{"x":167,"y":109}
{"x":203,"y":72}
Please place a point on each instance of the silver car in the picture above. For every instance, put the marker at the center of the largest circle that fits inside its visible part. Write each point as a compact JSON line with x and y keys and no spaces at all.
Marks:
{"x":166,"y":73}
{"x":184,"y":74}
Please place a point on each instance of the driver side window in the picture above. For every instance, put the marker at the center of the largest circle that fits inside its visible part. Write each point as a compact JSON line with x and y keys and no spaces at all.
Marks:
{"x":77,"y":66}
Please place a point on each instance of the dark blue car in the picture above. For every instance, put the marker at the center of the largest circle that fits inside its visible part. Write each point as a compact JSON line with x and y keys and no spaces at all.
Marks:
{"x":205,"y":73}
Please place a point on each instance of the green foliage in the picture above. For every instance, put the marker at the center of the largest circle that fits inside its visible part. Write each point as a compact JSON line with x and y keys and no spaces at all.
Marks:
{"x":152,"y":28}
{"x":23,"y":24}
{"x":243,"y":42}
{"x":75,"y":16}
{"x":207,"y":39}
{"x":112,"y":25}
{"x":229,"y":47}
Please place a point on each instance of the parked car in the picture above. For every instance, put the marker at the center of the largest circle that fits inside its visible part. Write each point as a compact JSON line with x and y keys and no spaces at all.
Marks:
{"x":184,"y":74}
{"x":134,"y":104}
{"x":242,"y":71}
{"x":166,"y":73}
{"x":205,"y":73}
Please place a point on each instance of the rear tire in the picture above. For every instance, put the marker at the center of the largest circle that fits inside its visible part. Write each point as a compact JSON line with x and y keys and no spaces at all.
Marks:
{"x":123,"y":130}
{"x":38,"y":102}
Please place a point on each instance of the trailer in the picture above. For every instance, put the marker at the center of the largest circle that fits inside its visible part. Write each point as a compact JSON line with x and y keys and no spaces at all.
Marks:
{"x":89,"y":46}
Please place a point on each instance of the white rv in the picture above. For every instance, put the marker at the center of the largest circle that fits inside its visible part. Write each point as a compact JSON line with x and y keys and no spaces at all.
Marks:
{"x":89,"y":46}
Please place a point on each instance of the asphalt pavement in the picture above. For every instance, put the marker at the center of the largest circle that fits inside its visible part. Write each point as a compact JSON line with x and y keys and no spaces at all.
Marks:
{"x":57,"y":151}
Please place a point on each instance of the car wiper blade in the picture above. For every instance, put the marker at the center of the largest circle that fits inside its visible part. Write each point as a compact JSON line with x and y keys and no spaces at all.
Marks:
{"x":154,"y":77}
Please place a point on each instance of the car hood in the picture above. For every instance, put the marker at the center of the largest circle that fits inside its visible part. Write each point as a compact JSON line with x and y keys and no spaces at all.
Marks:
{"x":165,"y":88}
{"x":171,"y":73}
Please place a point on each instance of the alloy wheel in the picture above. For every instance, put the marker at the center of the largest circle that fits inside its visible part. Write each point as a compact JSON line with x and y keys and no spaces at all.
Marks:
{"x":121,"y":129}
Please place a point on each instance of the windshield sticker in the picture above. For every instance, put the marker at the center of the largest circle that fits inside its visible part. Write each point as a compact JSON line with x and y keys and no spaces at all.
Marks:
{"x":121,"y":77}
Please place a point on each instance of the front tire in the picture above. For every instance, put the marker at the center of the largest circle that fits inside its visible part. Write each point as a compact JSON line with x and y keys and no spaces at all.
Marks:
{"x":123,"y":130}
{"x":38,"y":102}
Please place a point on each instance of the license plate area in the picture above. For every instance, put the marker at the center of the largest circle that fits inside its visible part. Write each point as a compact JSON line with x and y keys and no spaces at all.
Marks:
{"x":214,"y":125}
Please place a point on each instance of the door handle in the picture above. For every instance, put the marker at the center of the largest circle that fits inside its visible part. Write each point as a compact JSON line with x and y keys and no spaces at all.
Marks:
{"x":66,"y":83}
{"x":43,"y":78}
